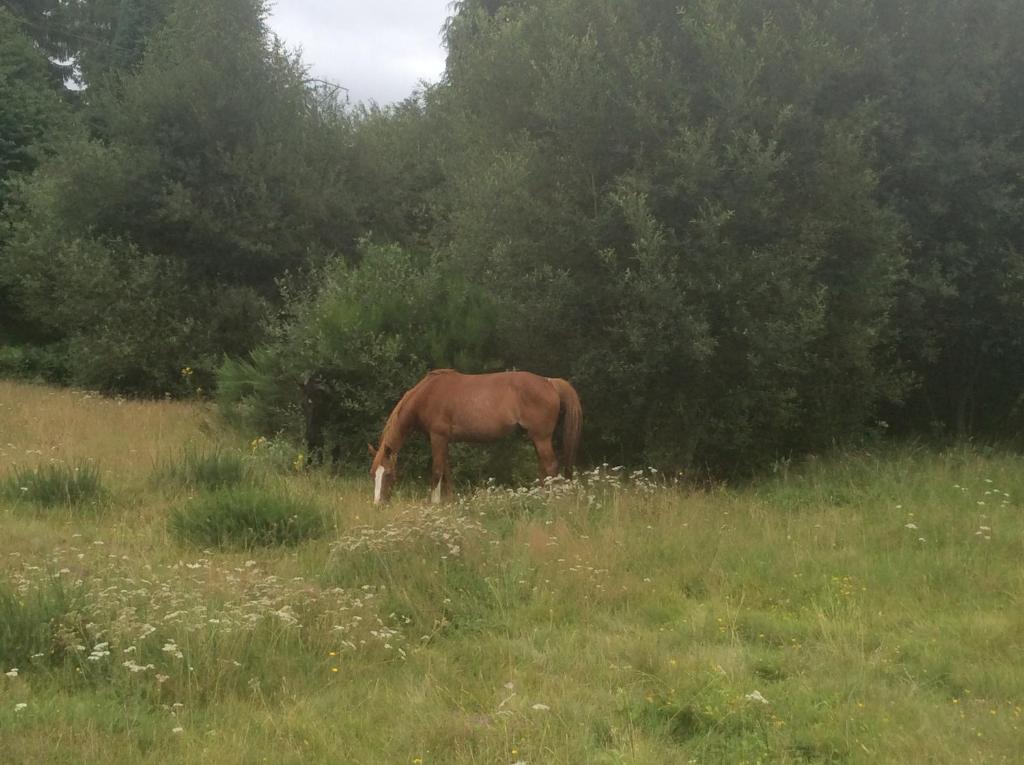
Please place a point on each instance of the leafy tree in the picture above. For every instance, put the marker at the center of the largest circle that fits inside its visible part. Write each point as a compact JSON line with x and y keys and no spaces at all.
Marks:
{"x":672,"y":207}
{"x":397,"y":164}
{"x":110,"y":36}
{"x":954,"y":151}
{"x":47,"y":23}
{"x":86,"y":40}
{"x":32,"y":122}
{"x":32,"y":119}
{"x":216,"y":170}
{"x":240,"y":166}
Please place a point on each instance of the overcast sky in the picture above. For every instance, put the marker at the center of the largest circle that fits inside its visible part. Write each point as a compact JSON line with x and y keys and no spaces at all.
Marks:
{"x":378,"y":49}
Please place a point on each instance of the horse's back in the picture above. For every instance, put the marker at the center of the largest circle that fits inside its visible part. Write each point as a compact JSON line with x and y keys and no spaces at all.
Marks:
{"x":485,"y":406}
{"x":514,"y":378}
{"x":524,"y":386}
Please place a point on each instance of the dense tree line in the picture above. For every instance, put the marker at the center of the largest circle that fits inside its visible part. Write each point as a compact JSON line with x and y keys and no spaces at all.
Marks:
{"x":743,"y":229}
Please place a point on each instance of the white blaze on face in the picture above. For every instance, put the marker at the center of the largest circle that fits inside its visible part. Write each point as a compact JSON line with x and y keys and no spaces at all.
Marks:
{"x":378,"y":484}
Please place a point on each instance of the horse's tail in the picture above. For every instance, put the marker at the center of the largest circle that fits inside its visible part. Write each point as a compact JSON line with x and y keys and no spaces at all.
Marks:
{"x":572,"y":422}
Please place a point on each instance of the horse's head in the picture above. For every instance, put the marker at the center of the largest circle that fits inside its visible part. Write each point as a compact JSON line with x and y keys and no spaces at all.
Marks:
{"x":384,"y":471}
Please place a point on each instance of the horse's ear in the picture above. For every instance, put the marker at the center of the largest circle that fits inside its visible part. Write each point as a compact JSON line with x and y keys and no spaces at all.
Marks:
{"x":371,"y":450}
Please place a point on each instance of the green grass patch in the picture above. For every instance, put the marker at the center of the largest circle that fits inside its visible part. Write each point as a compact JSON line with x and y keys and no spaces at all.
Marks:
{"x":194,"y":469}
{"x":245,"y":517}
{"x":55,"y":484}
{"x":28,"y":623}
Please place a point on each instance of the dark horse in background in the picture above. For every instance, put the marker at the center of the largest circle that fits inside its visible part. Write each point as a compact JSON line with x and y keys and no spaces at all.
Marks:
{"x":449,"y":406}
{"x":319,"y":413}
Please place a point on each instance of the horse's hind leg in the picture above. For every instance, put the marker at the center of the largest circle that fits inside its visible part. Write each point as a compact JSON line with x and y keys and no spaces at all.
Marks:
{"x":546,"y":458}
{"x":440,"y":473}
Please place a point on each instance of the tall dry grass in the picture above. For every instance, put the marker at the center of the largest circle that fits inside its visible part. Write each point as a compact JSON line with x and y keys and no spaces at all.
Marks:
{"x":40,"y":424}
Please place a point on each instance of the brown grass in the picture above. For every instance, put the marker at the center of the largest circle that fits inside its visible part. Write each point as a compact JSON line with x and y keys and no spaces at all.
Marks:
{"x":40,"y":424}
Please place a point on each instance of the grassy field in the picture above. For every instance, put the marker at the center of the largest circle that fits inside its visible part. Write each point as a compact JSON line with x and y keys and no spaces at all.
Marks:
{"x":170,"y":593}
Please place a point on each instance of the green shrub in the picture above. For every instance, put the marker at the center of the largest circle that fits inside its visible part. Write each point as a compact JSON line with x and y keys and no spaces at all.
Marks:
{"x":34,"y":362}
{"x":123,"y":347}
{"x":367,"y":333}
{"x":195,"y":469}
{"x":55,"y":484}
{"x":245,"y":517}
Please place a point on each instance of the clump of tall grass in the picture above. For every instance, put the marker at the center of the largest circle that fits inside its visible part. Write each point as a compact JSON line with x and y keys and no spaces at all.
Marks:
{"x":28,"y":621}
{"x":246,"y":517}
{"x":55,"y":484}
{"x":196,"y":469}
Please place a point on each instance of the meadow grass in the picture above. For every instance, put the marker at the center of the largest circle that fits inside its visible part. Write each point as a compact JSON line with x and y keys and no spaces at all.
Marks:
{"x":216,"y":468}
{"x":54,"y":485}
{"x":861,"y":608}
{"x":245,"y":517}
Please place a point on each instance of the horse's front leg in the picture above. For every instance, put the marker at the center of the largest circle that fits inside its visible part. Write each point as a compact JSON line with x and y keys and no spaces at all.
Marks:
{"x":440,"y":473}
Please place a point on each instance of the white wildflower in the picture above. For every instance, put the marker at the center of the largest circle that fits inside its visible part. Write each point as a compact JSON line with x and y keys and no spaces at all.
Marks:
{"x":171,"y":647}
{"x":286,"y":615}
{"x":99,"y":651}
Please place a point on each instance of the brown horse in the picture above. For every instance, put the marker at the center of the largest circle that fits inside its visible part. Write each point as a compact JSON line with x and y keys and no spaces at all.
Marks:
{"x":449,"y":406}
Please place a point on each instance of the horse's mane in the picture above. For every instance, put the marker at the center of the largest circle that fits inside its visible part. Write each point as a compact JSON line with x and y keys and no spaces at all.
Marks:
{"x":392,"y":423}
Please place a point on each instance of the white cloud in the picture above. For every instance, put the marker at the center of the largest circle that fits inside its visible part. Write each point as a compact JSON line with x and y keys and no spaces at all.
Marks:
{"x":378,"y":49}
